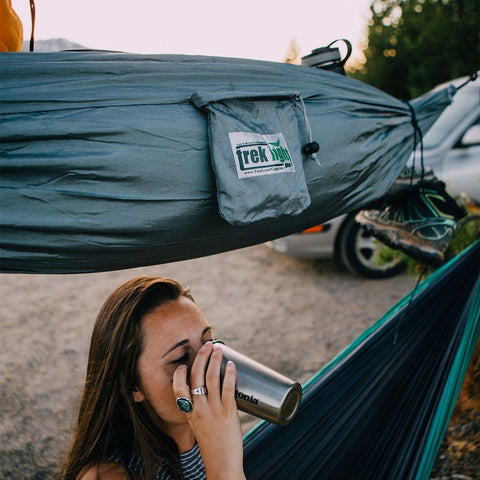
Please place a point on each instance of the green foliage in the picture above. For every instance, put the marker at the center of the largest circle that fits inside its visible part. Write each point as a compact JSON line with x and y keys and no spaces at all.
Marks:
{"x":387,"y":255}
{"x":414,"y":45}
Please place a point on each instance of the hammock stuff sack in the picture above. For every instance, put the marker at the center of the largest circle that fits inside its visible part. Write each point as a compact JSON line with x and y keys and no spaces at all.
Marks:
{"x":266,"y":178}
{"x":107,"y":162}
{"x":379,"y":410}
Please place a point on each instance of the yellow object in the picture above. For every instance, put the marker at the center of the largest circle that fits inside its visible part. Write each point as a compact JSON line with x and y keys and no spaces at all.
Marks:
{"x":11,"y":28}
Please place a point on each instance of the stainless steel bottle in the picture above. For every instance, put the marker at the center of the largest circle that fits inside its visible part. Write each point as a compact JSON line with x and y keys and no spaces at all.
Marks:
{"x":261,"y":391}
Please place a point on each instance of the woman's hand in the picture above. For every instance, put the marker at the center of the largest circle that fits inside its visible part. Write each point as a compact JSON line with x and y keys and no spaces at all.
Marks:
{"x":214,"y":419}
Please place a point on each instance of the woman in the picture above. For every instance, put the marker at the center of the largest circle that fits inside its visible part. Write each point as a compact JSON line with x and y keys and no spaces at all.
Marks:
{"x":152,"y":405}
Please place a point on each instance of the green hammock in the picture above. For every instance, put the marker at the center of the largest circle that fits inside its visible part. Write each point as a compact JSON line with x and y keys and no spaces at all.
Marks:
{"x":379,"y":410}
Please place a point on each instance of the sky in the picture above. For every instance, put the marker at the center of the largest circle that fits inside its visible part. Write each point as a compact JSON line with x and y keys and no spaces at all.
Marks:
{"x":258,"y":29}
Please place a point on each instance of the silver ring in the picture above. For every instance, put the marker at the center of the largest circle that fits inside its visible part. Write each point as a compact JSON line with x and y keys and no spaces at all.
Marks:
{"x":199,"y":391}
{"x":184,"y":404}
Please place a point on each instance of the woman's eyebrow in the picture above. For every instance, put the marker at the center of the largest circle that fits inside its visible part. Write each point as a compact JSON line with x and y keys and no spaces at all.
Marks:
{"x":179,"y":344}
{"x":184,"y":342}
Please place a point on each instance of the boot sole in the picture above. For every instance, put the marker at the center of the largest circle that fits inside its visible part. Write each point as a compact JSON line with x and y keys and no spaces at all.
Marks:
{"x":404,"y":241}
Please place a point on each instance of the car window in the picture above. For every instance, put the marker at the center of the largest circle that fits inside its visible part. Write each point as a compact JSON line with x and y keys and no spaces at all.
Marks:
{"x":463,"y":103}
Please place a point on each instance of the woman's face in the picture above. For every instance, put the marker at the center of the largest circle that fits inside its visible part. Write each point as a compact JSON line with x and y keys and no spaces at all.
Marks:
{"x":172,"y":334}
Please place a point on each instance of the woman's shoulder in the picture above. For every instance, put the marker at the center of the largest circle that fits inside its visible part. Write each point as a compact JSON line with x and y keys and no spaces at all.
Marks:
{"x":105,"y":471}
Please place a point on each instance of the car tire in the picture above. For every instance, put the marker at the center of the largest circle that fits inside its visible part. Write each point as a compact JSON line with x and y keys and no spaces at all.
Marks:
{"x":358,"y":250}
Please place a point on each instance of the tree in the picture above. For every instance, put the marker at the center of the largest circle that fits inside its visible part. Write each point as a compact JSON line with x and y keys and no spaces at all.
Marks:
{"x":414,"y":45}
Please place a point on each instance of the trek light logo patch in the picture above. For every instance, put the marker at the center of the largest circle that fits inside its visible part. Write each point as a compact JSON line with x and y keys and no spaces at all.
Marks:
{"x":258,"y":154}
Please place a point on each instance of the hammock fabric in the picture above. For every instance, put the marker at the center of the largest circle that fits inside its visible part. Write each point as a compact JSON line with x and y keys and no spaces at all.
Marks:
{"x":106,"y":160}
{"x":380,"y":409}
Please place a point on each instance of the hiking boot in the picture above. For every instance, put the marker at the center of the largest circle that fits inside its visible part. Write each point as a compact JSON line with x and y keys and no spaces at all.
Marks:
{"x":420,"y":221}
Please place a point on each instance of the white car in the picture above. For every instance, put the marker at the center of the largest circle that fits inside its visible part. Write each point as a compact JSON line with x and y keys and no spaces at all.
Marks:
{"x":451,"y":148}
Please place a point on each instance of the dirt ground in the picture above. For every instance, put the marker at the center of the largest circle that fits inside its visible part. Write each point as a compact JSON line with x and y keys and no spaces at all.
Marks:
{"x":293,"y":315}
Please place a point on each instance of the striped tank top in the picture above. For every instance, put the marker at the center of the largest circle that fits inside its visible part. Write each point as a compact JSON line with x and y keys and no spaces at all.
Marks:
{"x":191,"y":462}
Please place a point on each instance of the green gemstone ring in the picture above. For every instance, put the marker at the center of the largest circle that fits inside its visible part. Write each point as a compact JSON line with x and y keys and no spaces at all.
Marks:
{"x":184,"y":404}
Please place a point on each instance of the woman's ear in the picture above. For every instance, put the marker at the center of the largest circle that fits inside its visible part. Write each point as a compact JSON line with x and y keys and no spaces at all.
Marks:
{"x":137,"y":395}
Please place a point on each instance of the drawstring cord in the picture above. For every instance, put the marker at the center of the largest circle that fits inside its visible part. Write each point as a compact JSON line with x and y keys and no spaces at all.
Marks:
{"x":310,"y":152}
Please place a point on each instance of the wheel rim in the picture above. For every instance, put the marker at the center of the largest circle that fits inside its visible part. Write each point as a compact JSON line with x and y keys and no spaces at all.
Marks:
{"x":367,"y":250}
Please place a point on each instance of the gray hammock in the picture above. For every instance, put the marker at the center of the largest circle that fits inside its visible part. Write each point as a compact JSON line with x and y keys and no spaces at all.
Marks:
{"x":113,"y":161}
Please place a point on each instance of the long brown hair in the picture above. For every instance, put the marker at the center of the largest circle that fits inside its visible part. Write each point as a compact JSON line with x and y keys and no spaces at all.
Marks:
{"x":107,"y":411}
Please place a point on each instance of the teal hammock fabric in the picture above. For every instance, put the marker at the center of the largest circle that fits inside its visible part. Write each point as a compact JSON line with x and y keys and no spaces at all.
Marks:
{"x":379,"y":410}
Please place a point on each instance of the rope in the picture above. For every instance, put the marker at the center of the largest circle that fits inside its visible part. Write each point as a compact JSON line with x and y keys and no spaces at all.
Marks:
{"x":417,"y":131}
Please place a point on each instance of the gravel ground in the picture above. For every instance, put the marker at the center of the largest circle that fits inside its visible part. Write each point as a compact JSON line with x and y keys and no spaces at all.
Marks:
{"x":293,"y":315}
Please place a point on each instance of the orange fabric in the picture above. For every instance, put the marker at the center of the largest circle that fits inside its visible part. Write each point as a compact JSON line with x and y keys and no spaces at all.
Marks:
{"x":11,"y":28}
